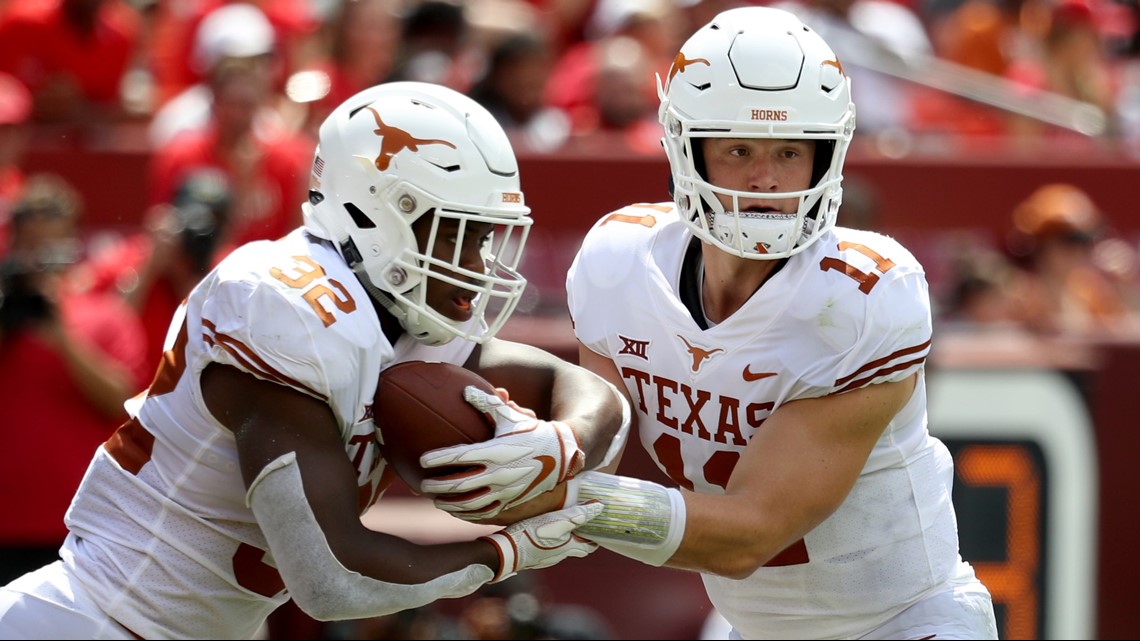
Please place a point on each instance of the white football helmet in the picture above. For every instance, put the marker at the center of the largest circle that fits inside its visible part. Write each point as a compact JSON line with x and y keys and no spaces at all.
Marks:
{"x":756,"y":72}
{"x":402,"y":150}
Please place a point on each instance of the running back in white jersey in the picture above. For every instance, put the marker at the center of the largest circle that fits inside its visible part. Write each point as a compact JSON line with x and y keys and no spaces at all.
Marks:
{"x":849,"y":311}
{"x":160,"y":521}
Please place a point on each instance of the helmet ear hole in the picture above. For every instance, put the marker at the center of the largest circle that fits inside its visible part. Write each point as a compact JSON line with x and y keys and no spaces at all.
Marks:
{"x":698,"y":150}
{"x":821,"y":162}
{"x":360,"y":218}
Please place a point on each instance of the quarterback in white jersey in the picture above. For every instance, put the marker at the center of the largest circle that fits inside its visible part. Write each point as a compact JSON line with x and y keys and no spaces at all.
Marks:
{"x":775,"y":362}
{"x":239,"y":480}
{"x":826,"y":323}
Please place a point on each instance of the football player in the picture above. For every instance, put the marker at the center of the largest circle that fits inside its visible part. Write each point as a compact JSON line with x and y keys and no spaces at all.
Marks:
{"x":774,"y":360}
{"x":240,"y":479}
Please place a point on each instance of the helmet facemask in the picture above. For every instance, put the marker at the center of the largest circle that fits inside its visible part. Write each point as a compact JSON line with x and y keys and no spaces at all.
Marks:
{"x":757,"y":235}
{"x":492,"y":293}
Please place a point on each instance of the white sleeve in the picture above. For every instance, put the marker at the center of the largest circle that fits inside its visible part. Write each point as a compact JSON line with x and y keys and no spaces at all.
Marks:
{"x":876,"y":334}
{"x":322,"y":587}
{"x":274,"y":335}
{"x":610,"y":257}
{"x":895,"y":338}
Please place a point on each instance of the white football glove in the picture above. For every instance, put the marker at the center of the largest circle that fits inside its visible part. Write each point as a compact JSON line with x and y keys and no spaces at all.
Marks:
{"x":543,"y":540}
{"x":526,"y":457}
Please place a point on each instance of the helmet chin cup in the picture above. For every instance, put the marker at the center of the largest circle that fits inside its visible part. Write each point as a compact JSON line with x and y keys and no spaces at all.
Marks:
{"x":756,"y":72}
{"x":400,"y":151}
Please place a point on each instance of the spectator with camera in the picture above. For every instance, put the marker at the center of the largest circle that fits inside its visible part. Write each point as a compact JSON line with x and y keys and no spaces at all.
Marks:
{"x":68,"y":360}
{"x":155,"y":268}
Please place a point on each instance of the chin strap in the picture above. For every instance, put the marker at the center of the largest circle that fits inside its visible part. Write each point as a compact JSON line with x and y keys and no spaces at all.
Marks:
{"x":356,"y":264}
{"x":423,"y":330}
{"x":379,"y":295}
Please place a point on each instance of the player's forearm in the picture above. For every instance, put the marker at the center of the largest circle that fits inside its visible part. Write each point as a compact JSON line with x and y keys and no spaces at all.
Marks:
{"x":729,"y":536}
{"x":595,"y":410}
{"x":559,"y":391}
{"x":328,"y":585}
{"x":645,"y":521}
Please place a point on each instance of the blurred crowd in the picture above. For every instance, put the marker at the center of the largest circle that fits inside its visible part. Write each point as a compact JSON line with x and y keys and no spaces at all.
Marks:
{"x":226,"y":96}
{"x":1063,"y":272}
{"x":560,"y":74}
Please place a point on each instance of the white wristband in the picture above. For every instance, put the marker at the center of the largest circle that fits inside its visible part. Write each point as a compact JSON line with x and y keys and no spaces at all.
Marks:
{"x":641,"y":519}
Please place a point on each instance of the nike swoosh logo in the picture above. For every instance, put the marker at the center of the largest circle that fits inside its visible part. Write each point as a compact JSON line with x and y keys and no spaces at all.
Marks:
{"x":749,"y":376}
{"x":547,"y":467}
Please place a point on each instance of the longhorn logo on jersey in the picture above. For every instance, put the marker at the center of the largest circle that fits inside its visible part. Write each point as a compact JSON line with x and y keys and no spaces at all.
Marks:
{"x":394,"y":140}
{"x":699,"y":354}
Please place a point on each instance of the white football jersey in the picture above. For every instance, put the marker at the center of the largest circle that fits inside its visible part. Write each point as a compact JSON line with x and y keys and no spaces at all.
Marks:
{"x":160,"y":521}
{"x":850,"y":310}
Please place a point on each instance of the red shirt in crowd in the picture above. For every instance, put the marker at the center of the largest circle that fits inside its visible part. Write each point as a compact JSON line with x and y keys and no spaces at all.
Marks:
{"x":292,"y":20}
{"x":37,"y":43}
{"x":117,"y":268}
{"x":267,"y":203}
{"x":50,"y":429}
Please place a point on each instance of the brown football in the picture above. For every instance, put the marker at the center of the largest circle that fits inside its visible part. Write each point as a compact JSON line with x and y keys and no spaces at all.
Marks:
{"x":419,"y":407}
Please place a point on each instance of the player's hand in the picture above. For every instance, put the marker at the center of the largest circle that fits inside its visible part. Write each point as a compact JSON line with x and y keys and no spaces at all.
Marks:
{"x":526,"y":458}
{"x":546,"y":502}
{"x":543,"y":540}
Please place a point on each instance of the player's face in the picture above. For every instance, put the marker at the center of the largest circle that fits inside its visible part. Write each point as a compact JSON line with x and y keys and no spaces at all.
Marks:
{"x":451,"y":300}
{"x":762,"y":165}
